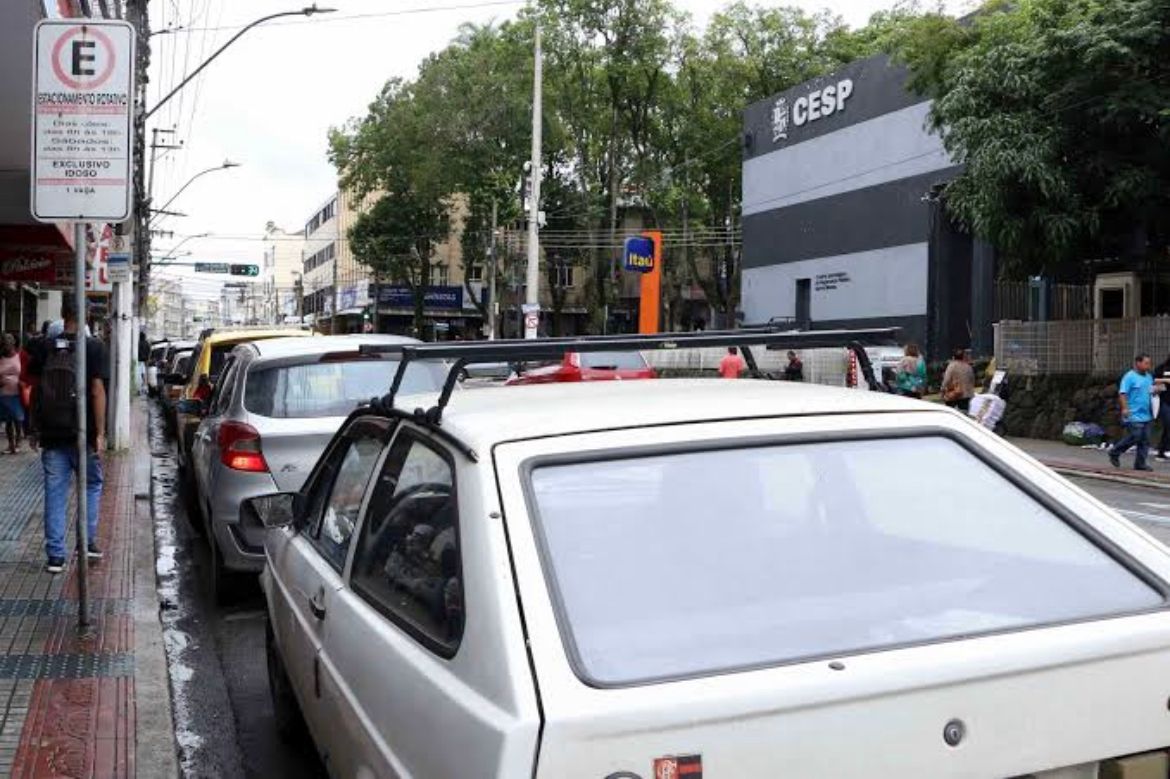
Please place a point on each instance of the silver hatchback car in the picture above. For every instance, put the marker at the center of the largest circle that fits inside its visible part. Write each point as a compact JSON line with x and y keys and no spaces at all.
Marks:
{"x":277,"y":405}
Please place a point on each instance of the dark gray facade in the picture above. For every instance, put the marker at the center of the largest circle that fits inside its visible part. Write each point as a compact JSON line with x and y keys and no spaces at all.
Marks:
{"x":839,"y":224}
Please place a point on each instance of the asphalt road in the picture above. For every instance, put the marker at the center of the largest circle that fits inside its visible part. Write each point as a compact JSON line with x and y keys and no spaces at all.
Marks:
{"x":1148,"y":508}
{"x":219,"y":678}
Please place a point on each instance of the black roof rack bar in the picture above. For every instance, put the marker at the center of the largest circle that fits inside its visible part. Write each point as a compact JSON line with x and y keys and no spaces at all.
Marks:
{"x":465,"y":353}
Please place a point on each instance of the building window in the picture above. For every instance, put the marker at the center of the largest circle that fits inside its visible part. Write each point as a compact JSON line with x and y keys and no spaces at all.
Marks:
{"x":475,"y":272}
{"x":563,"y":275}
{"x":438,"y":276}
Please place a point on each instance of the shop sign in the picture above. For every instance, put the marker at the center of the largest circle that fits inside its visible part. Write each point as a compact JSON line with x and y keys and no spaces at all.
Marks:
{"x":400,"y":296}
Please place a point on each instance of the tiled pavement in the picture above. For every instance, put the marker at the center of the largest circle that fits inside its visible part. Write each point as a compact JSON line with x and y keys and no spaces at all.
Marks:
{"x":67,"y":703}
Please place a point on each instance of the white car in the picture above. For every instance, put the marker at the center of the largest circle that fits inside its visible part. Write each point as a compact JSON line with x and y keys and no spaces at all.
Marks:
{"x":725,"y":579}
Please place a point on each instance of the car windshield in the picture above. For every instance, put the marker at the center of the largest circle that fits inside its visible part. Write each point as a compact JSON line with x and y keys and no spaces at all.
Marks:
{"x":617,"y":361}
{"x":694,"y":563}
{"x":328,"y":389}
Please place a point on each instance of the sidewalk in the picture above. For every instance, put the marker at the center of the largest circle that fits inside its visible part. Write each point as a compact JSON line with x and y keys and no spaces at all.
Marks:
{"x":70,"y":705}
{"x":1094,"y":463}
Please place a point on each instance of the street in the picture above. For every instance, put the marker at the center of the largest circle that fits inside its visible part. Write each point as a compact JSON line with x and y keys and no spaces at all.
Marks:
{"x":222,"y":708}
{"x":1148,"y":508}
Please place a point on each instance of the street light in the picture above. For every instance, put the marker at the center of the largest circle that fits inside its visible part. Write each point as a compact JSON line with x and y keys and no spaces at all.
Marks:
{"x":222,"y":166}
{"x":171,"y":252}
{"x":313,"y":9}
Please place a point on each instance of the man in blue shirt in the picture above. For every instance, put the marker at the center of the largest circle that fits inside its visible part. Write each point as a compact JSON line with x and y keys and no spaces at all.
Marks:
{"x":1136,"y":397}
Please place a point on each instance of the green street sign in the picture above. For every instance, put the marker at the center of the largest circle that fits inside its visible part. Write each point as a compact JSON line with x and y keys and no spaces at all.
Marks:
{"x":211,"y":267}
{"x":245,"y":270}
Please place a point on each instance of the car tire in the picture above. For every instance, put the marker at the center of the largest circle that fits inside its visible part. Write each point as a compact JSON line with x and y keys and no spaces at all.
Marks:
{"x":286,"y":710}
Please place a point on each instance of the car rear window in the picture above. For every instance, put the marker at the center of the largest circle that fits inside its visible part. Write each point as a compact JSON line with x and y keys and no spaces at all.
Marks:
{"x":219,"y":355}
{"x":619,"y":361}
{"x":330,"y":389}
{"x":695,"y":563}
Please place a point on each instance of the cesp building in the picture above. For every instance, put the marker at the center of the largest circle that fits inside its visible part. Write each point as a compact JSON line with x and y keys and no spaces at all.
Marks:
{"x":842,"y":221}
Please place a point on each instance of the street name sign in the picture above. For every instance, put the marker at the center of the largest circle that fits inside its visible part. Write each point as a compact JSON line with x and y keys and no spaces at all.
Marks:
{"x":211,"y":267}
{"x":118,"y":266}
{"x":82,"y":127}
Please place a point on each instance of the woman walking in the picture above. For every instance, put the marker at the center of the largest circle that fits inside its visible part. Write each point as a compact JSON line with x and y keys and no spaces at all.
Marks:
{"x":11,"y":410}
{"x":910,"y":377}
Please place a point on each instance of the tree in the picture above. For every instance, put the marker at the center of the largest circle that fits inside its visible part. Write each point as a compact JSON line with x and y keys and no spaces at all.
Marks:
{"x":1058,"y":111}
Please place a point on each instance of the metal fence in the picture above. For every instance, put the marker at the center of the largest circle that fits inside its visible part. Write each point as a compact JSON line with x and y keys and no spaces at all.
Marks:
{"x":1065,"y":301}
{"x":1098,"y":347}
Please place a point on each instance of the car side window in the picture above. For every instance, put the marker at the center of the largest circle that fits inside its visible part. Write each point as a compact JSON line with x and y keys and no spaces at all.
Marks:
{"x":407,"y":562}
{"x":338,"y":488}
{"x":221,"y":395}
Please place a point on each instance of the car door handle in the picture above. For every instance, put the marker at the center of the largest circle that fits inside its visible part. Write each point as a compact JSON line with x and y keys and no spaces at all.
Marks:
{"x":317,"y":604}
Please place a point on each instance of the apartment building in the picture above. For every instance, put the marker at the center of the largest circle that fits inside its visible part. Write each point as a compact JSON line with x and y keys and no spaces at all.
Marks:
{"x":281,"y":271}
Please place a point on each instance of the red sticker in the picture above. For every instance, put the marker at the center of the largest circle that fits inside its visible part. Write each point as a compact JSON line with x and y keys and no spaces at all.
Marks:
{"x":679,"y":767}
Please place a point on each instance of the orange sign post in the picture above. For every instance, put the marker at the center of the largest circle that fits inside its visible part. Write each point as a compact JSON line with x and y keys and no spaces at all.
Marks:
{"x":651,"y":300}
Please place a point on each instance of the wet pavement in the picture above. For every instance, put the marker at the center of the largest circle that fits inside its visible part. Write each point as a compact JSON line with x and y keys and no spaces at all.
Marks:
{"x":223,"y":712}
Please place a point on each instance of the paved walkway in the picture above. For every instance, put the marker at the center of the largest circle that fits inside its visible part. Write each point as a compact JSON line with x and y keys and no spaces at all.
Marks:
{"x":1094,"y":463}
{"x":68,"y":701}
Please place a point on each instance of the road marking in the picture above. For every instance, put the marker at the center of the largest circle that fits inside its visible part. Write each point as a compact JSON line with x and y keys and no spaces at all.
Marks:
{"x":1142,"y":516}
{"x":240,"y":616}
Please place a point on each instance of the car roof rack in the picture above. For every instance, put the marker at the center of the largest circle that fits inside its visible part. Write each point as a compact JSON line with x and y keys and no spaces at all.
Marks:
{"x":462,"y":353}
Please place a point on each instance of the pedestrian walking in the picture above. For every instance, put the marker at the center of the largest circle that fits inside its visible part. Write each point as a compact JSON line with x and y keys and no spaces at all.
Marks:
{"x":910,"y":378}
{"x":1136,"y":397}
{"x":11,"y":410}
{"x":958,"y":384}
{"x":143,"y":357}
{"x":794,"y":370}
{"x":732,"y":365}
{"x":55,"y":425}
{"x":1161,"y":377}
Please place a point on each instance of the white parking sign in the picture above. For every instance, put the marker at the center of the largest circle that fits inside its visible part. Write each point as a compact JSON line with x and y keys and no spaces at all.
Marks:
{"x":83,"y":109}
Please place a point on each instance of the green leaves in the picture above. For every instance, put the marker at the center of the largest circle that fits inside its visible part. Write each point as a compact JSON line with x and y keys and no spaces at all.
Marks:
{"x":1057,"y":108}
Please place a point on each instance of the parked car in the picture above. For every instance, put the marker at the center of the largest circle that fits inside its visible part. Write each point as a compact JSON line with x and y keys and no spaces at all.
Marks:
{"x":178,"y":368}
{"x":689,"y":577}
{"x":153,"y":363}
{"x":278,"y":402}
{"x":574,"y":366}
{"x":210,"y":355}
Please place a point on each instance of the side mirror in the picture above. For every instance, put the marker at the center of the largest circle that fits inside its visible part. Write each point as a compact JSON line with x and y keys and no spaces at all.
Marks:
{"x":190,"y":407}
{"x":278,"y":510}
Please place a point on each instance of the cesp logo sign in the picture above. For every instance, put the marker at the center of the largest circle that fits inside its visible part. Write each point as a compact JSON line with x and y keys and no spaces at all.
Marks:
{"x":817,"y":104}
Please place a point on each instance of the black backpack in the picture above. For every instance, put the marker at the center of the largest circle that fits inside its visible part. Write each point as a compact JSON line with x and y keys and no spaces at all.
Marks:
{"x":55,"y":405}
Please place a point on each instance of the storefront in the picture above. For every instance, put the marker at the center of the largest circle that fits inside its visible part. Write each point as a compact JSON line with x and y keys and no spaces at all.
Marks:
{"x":842,"y":221}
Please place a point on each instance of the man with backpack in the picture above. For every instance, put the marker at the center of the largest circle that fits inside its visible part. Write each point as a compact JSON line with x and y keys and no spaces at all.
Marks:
{"x":55,"y":425}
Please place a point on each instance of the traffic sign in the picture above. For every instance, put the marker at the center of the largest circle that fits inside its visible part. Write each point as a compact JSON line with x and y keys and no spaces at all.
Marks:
{"x":245,"y":270}
{"x":83,"y":107}
{"x":211,"y":267}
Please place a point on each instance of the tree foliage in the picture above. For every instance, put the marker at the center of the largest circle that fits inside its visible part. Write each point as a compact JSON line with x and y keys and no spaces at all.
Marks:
{"x":1058,"y":111}
{"x":642,"y":113}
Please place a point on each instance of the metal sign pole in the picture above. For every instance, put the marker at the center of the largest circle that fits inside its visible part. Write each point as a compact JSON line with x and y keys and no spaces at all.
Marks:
{"x":79,"y":348}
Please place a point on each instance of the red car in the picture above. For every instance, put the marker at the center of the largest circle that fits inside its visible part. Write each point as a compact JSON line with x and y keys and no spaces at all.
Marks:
{"x":601,"y":366}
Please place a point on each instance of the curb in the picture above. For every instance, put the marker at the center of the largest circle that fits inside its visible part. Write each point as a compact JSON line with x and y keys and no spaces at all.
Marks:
{"x":1116,"y":478}
{"x":156,"y":753}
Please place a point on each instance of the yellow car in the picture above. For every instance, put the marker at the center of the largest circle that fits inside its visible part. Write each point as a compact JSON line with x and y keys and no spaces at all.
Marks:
{"x":210,"y":355}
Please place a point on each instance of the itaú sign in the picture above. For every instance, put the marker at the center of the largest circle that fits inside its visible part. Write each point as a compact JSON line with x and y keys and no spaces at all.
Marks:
{"x":817,"y":104}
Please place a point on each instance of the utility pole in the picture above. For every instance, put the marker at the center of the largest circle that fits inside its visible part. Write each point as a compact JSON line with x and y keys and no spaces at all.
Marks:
{"x":532,"y":278}
{"x":492,"y":306}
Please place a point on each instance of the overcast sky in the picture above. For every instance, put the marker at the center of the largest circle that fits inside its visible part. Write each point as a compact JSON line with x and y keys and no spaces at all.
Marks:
{"x":269,"y":100}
